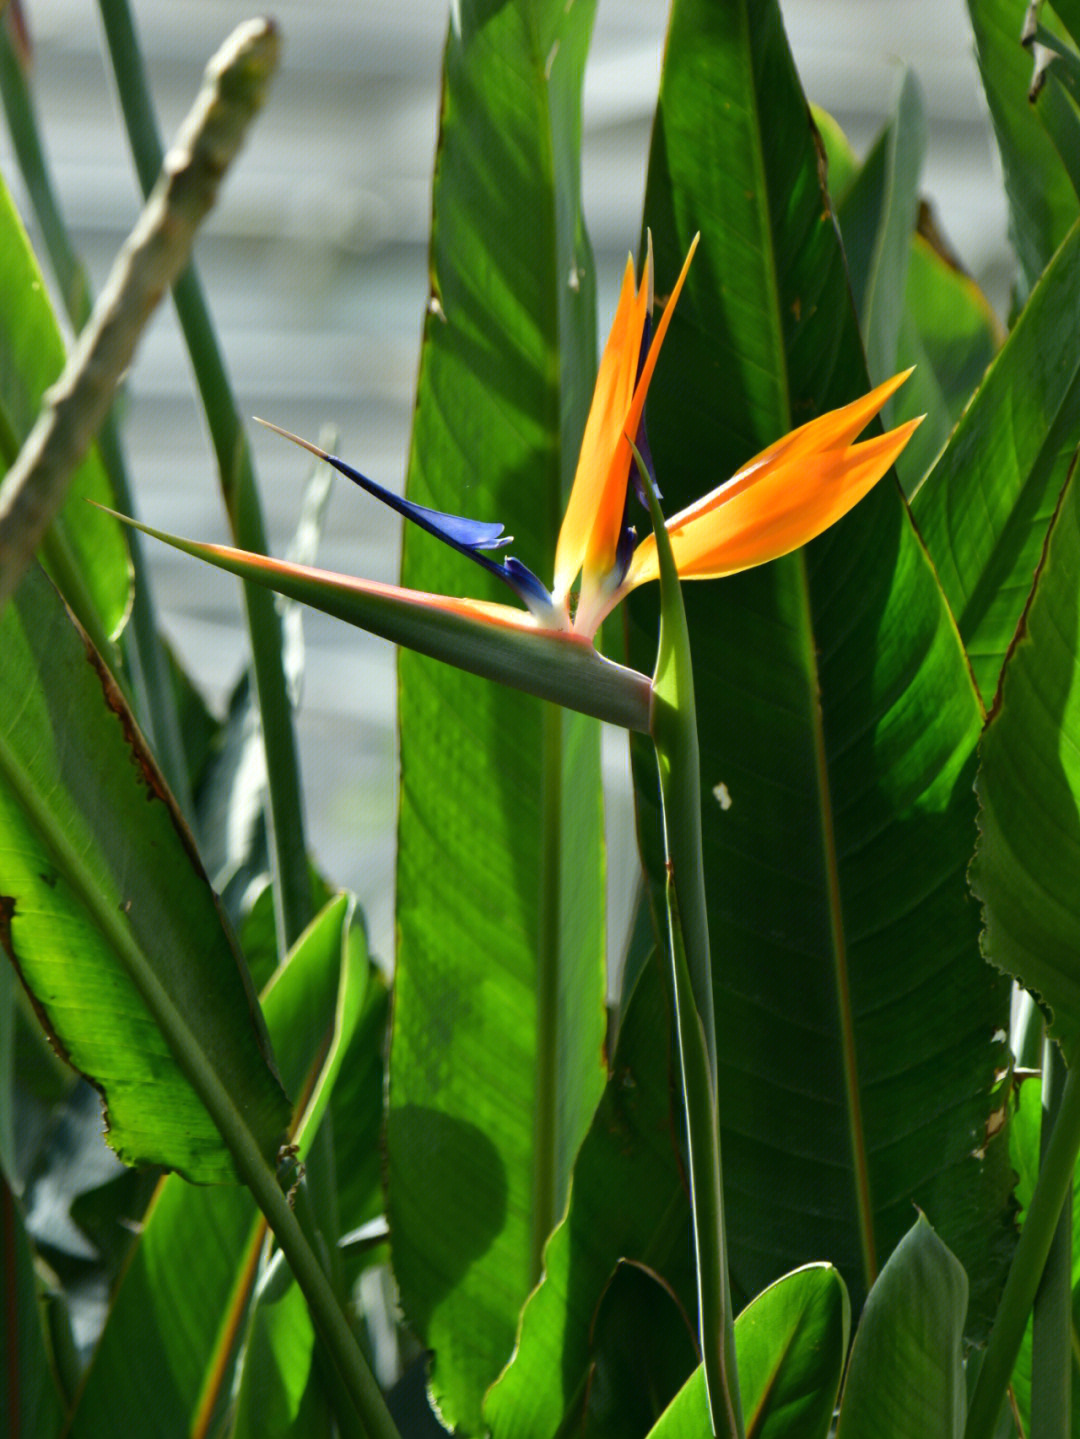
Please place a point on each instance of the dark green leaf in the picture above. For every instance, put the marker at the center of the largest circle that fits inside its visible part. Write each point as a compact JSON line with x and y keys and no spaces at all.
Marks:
{"x":905,"y":1378}
{"x":106,"y":912}
{"x":1028,"y":853}
{"x":985,"y":507}
{"x":496,"y":1065}
{"x":835,"y":708}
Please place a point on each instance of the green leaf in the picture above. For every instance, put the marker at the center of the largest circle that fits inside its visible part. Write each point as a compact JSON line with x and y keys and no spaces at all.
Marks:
{"x":950,"y":333}
{"x":106,"y":912}
{"x":877,"y":218}
{"x":837,"y":721}
{"x":1028,"y":854}
{"x":1025,"y":1126}
{"x":169,"y":1343}
{"x":85,"y":549}
{"x":1042,"y":202}
{"x":496,"y":1062}
{"x":791,"y":1342}
{"x":279,"y":1394}
{"x":905,"y":1378}
{"x":30,"y":1402}
{"x":628,"y":1200}
{"x":984,"y":509}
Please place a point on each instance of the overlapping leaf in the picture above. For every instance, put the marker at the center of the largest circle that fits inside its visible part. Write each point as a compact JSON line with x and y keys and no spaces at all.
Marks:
{"x":184,"y":1293}
{"x":105,"y":909}
{"x":1028,"y":854}
{"x":498,"y":1018}
{"x":837,"y":724}
{"x":984,"y":509}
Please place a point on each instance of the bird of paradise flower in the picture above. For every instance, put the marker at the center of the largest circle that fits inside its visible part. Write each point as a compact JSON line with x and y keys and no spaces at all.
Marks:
{"x":782,"y":498}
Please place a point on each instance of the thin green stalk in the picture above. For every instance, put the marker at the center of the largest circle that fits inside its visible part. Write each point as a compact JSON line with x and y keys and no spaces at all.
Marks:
{"x":146,"y":657}
{"x":1055,"y":1178}
{"x":1051,"y":1341}
{"x":292,"y":889}
{"x":674,"y":733}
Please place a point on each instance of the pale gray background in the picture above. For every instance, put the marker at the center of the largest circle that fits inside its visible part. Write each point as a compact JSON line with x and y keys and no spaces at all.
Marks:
{"x":315,"y":266}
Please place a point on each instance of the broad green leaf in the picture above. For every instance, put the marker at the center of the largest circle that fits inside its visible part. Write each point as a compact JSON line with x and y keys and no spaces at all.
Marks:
{"x":791,"y":1343}
{"x":837,"y":721}
{"x":1028,"y":854}
{"x":628,"y":1201}
{"x":496,"y":1062}
{"x":877,"y":218}
{"x":106,"y":912}
{"x":905,"y":1378}
{"x":984,"y":509}
{"x":169,"y":1343}
{"x":30,"y":1402}
{"x":1042,"y":202}
{"x":85,"y":549}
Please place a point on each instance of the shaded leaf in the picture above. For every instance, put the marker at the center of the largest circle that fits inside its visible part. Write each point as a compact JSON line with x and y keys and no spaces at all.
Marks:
{"x":629,"y":1200}
{"x":837,"y":713}
{"x":905,"y":1378}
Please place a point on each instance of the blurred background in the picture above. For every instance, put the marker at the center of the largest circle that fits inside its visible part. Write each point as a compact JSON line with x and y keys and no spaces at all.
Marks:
{"x":315,"y":267}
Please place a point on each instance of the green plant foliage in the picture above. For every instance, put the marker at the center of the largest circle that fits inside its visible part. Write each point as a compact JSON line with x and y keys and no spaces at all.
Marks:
{"x":984,"y":510}
{"x":496,"y":1063}
{"x":184,"y":1318}
{"x":82,"y":804}
{"x":628,"y":1201}
{"x":85,"y":550}
{"x":877,"y":217}
{"x":1029,"y":792}
{"x":1042,"y":202}
{"x":791,"y":1343}
{"x":905,"y":1378}
{"x":835,"y":709}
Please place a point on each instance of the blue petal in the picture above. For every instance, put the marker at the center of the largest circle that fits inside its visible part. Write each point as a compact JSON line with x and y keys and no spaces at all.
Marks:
{"x":469,"y":537}
{"x":463,"y":534}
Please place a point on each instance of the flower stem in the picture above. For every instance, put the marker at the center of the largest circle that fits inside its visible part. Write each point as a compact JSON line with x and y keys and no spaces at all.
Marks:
{"x":674,"y":733}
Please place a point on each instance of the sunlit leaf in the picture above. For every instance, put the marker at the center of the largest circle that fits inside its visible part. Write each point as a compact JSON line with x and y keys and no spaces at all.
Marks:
{"x":496,"y":1063}
{"x":111,"y":946}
